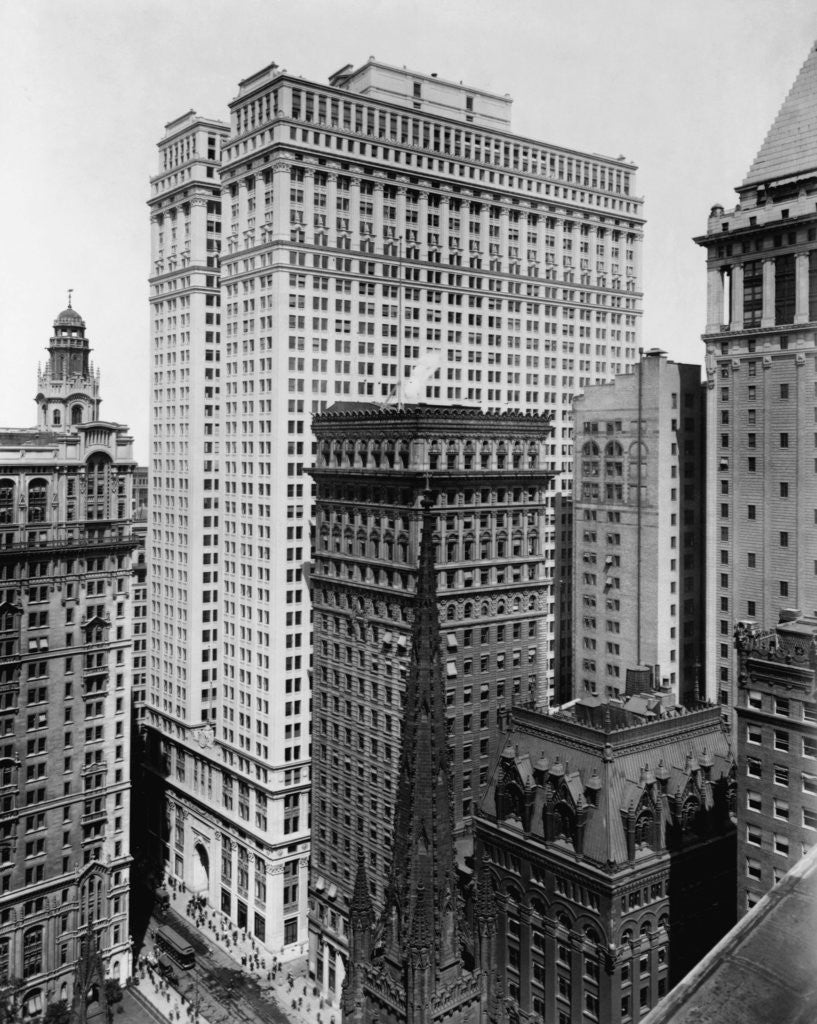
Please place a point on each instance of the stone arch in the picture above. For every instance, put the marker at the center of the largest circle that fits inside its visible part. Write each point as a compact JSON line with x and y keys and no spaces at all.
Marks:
{"x":590,"y":929}
{"x":562,"y":915}
{"x":510,"y":889}
{"x":200,"y":878}
{"x":537,"y":904}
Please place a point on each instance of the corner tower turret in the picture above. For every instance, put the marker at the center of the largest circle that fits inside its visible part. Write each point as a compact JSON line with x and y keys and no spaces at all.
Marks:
{"x":68,"y":387}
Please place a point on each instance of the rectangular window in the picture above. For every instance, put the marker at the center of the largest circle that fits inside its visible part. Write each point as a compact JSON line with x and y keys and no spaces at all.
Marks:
{"x":754,"y":734}
{"x":784,"y":293}
{"x":752,"y":293}
{"x":753,"y":868}
{"x":781,"y":775}
{"x":781,"y":740}
{"x":754,"y":836}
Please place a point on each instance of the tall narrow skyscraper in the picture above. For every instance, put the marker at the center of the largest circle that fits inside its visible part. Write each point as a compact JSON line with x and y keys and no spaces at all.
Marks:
{"x":385,"y":221}
{"x":761,"y":349}
{"x":639,"y":532}
{"x":65,"y":680}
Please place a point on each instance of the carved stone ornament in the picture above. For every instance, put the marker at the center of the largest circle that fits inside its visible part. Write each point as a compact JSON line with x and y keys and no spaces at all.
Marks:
{"x":206,"y":737}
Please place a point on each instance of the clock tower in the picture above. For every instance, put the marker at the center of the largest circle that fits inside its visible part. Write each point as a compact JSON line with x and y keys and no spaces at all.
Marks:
{"x":68,"y":386}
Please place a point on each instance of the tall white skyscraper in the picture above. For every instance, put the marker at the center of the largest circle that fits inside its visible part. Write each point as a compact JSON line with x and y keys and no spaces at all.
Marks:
{"x":368,"y":225}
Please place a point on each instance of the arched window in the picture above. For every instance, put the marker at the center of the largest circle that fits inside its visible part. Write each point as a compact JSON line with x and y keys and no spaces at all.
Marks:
{"x":33,"y":952}
{"x":97,"y":487}
{"x":590,"y":459}
{"x":37,"y":493}
{"x":6,"y":502}
{"x":644,"y":828}
{"x":689,"y":812}
{"x":76,"y":414}
{"x":565,"y":822}
{"x":33,"y":1005}
{"x":56,"y":417}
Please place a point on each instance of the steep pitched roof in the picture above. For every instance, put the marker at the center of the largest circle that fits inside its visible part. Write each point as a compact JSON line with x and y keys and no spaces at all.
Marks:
{"x":790,"y":147}
{"x":420,"y":900}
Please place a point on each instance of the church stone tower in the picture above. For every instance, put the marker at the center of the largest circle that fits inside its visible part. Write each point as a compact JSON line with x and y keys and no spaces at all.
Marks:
{"x":409,"y":968}
{"x":68,"y":387}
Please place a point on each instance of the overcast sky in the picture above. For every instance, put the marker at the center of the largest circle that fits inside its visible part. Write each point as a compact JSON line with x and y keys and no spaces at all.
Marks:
{"x":686,"y":89}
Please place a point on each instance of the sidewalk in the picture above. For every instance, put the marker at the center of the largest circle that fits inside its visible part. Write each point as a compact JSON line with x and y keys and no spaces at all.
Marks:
{"x":165,"y":999}
{"x":287,"y":982}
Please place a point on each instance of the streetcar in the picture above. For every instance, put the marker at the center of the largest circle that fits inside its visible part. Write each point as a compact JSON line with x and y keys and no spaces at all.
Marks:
{"x":176,"y":946}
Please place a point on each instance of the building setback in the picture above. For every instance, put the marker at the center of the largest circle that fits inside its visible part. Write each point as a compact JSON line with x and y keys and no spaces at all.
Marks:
{"x":366,"y":226}
{"x":761,"y":367}
{"x":639,"y":529}
{"x":65,"y":681}
{"x":777,"y":751}
{"x":489,"y":479}
{"x":607,"y":832}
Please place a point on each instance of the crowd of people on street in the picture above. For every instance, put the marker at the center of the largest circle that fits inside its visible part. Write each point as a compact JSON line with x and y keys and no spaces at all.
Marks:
{"x":283,"y":982}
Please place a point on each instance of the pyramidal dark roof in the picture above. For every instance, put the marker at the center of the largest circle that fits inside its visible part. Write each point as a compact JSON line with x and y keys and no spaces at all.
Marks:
{"x":790,"y":147}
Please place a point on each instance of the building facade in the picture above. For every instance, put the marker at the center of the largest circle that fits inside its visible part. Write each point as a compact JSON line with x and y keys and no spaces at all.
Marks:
{"x":368,"y":226}
{"x":639,"y":530}
{"x":777,"y":751}
{"x":65,"y":680}
{"x":761,"y":365}
{"x":210,"y":824}
{"x":608,"y":838}
{"x":490,"y":478}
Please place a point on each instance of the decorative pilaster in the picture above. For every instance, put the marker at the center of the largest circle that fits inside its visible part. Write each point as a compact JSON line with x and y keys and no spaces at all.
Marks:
{"x":767,"y":315}
{"x":801,"y":288}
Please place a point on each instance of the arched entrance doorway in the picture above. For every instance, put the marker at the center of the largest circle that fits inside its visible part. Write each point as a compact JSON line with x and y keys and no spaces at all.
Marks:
{"x":200,"y":882}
